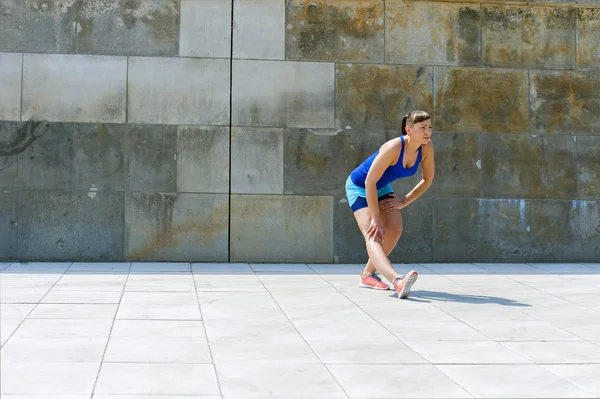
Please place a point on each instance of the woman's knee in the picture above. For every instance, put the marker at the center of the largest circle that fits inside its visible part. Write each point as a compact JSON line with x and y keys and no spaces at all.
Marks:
{"x":394,"y":225}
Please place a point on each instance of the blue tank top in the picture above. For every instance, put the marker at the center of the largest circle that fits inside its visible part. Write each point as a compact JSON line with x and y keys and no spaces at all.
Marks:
{"x":397,"y":171}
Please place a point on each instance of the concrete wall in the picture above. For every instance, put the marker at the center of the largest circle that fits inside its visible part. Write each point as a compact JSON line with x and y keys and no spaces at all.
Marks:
{"x":160,"y":130}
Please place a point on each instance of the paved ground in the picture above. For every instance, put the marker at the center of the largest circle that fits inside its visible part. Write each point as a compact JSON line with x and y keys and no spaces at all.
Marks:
{"x":164,"y":330}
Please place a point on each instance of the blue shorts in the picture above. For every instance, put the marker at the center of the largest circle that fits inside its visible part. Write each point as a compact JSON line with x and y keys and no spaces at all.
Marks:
{"x":357,"y":196}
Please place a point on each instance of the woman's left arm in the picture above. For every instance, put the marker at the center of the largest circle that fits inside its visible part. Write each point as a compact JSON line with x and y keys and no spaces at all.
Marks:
{"x":428,"y":166}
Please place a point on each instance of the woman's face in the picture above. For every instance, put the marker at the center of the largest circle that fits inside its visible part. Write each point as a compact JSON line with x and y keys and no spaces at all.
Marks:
{"x":420,"y":131}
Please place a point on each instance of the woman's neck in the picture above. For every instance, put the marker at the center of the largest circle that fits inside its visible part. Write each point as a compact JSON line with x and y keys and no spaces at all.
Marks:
{"x":411,"y":145}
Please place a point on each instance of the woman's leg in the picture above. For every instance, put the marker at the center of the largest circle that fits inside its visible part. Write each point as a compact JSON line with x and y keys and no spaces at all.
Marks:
{"x":377,"y":254}
{"x":392,"y":222}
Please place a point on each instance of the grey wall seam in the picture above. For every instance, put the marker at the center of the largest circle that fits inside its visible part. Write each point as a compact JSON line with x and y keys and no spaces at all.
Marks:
{"x":230,"y":129}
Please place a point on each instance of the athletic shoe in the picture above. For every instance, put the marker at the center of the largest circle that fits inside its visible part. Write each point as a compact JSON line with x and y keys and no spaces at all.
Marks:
{"x":372,"y":281}
{"x":403,"y":283}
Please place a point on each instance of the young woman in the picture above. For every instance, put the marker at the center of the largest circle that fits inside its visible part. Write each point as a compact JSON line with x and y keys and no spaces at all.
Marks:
{"x":376,"y":207}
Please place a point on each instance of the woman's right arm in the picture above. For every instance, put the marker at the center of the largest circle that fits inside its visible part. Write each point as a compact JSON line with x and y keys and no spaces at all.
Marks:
{"x":388,"y":153}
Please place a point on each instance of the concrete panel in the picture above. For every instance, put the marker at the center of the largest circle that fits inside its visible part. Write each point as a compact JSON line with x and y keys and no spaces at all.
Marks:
{"x":432,"y":33}
{"x":124,"y":27}
{"x":124,"y":157}
{"x":205,"y":28}
{"x":468,"y":230}
{"x":176,"y":227}
{"x":588,"y":167}
{"x":203,"y":159}
{"x":257,"y":160}
{"x":565,"y":102}
{"x":588,"y":38}
{"x":10,"y":86}
{"x":378,"y":96}
{"x":8,"y":224}
{"x":416,"y":242}
{"x":70,"y":225}
{"x":74,"y":88}
{"x":458,"y":163}
{"x":565,"y":230}
{"x":182,"y":91}
{"x":319,"y":161}
{"x":348,"y":242}
{"x":35,"y":26}
{"x":36,"y":155}
{"x":528,"y":37}
{"x":305,"y":100}
{"x":481,"y":100}
{"x":529,"y":167}
{"x":281,"y":228}
{"x":344,"y":30}
{"x":259,"y":29}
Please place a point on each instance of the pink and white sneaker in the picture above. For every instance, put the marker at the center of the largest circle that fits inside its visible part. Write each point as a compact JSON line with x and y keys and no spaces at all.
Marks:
{"x":372,"y":281}
{"x":403,"y":283}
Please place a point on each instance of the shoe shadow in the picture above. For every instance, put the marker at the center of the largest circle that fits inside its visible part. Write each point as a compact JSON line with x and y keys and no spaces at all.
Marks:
{"x":430,"y":296}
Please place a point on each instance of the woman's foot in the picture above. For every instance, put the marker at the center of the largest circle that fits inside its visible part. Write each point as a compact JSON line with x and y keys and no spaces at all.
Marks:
{"x":372,"y":281}
{"x":403,"y":283}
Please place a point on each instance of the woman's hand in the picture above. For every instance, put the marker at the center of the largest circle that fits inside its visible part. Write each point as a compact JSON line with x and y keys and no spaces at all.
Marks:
{"x":375,"y":231}
{"x":393,"y":203}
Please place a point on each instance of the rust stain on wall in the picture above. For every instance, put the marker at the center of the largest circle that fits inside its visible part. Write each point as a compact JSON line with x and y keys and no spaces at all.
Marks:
{"x":566,"y":102}
{"x":349,"y":30}
{"x":521,"y":36}
{"x":432,"y":33}
{"x":375,"y":96}
{"x":159,"y":210}
{"x":588,"y":52}
{"x":474,"y":100}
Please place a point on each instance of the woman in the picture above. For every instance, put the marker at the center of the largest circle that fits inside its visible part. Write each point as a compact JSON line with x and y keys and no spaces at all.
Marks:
{"x":376,"y":207}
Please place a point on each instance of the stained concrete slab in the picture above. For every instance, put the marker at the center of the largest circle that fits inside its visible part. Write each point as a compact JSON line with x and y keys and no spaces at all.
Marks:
{"x":344,"y":30}
{"x":416,"y":241}
{"x":565,"y":229}
{"x":203,"y":159}
{"x":317,"y":162}
{"x":119,"y":157}
{"x":481,"y":100}
{"x":588,"y":38}
{"x":306,"y":100}
{"x":432,"y":33}
{"x":379,"y":96}
{"x":588,"y":167}
{"x":60,"y":225}
{"x":11,"y":65}
{"x":205,"y":28}
{"x":296,"y":228}
{"x":529,"y":166}
{"x":458,"y":165}
{"x":8,"y":224}
{"x":38,"y":26}
{"x":176,"y":227}
{"x":179,"y":91}
{"x":257,"y":160}
{"x":74,"y":88}
{"x":122,"y":27}
{"x":528,"y":36}
{"x":36,"y":155}
{"x":481,"y":229}
{"x":565,"y":102}
{"x":259,"y":29}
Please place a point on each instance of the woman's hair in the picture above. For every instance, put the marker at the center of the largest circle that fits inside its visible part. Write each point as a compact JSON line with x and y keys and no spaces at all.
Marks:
{"x":412,"y":118}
